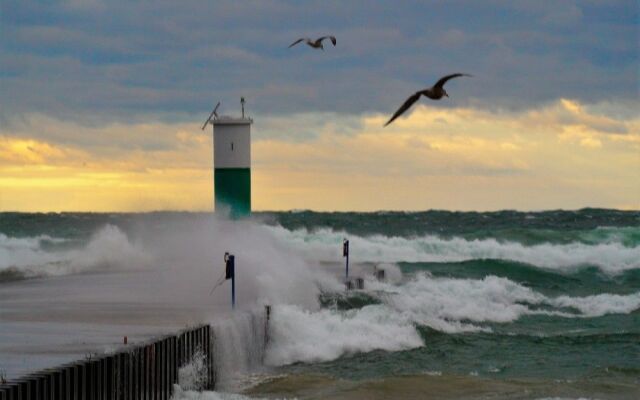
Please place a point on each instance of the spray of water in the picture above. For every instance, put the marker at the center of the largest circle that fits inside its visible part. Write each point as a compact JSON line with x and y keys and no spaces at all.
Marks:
{"x":108,"y":249}
{"x":612,"y":257}
{"x":193,"y":375}
{"x":289,"y":270}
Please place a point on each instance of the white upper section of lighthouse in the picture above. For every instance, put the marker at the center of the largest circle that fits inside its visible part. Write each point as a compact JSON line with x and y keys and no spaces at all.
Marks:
{"x":232,"y":142}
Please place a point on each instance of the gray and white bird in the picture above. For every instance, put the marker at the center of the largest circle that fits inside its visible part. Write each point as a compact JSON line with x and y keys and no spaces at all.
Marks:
{"x":435,"y":92}
{"x":316,"y":44}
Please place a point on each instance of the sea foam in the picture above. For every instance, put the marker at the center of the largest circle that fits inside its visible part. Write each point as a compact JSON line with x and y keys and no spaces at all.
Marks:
{"x":301,"y":335}
{"x":108,"y":249}
{"x":183,"y":394}
{"x":461,"y":305}
{"x":324,"y":244}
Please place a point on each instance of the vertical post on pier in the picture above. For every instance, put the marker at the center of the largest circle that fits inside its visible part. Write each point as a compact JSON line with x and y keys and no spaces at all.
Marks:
{"x":345,"y":253}
{"x":267,"y":310}
{"x":230,"y":273}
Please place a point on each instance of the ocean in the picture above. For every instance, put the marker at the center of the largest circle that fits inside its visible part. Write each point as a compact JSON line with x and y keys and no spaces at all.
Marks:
{"x":496,"y":305}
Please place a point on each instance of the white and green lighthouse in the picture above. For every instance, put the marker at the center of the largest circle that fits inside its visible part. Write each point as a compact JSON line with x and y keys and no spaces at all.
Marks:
{"x":232,"y":164}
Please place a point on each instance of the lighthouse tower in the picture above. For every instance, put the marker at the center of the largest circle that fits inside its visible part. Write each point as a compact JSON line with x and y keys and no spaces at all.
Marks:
{"x":232,"y":164}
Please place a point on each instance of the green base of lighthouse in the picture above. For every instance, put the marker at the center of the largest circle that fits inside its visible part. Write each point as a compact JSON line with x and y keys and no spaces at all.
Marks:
{"x":233,"y":191}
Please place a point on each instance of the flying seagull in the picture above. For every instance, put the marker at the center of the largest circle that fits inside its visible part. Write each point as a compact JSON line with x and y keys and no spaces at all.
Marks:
{"x":316,"y":44}
{"x":435,"y":92}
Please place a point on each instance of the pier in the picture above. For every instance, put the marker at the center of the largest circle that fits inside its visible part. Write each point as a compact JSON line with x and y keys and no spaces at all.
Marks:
{"x":145,"y":371}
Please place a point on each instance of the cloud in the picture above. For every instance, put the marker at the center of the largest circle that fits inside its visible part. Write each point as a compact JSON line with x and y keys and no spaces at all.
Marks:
{"x":124,"y":61}
{"x":465,"y":158}
{"x":571,"y":115}
{"x":106,"y":98}
{"x":84,"y":5}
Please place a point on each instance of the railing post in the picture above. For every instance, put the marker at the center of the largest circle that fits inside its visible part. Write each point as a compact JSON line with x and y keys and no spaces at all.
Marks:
{"x":106,"y":373}
{"x":179,"y":345}
{"x":142,"y":369}
{"x":134,"y":373}
{"x":33,"y":388}
{"x":172,"y":361}
{"x":107,"y":369}
{"x":176,"y":360}
{"x":163,"y":369}
{"x":88,"y":380}
{"x":130,"y":362}
{"x":189,"y":352}
{"x":66,"y":383}
{"x":77,"y":381}
{"x":56,"y":380}
{"x":156,"y":367}
{"x":148,"y":373}
{"x":210,"y":364}
{"x":167,"y":371}
{"x":97,"y":379}
{"x":145,"y":372}
{"x":124,"y":383}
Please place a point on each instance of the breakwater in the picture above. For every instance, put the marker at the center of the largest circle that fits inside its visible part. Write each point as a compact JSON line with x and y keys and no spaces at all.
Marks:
{"x":146,"y":371}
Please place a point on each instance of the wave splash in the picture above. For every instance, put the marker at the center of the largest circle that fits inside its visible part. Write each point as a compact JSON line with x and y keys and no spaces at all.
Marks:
{"x":108,"y":249}
{"x":301,"y":335}
{"x":443,"y":304}
{"x":308,"y":334}
{"x":610,"y":257}
{"x":466,"y":305}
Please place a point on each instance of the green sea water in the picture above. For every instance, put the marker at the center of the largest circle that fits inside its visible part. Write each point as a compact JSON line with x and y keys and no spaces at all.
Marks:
{"x":566,"y":351}
{"x":505,"y":304}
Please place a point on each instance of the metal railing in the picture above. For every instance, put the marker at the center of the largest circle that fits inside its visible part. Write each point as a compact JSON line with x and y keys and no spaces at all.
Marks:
{"x":136,"y":372}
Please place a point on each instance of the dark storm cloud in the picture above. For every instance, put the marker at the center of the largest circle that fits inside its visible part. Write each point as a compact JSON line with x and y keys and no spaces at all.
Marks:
{"x":121,"y":60}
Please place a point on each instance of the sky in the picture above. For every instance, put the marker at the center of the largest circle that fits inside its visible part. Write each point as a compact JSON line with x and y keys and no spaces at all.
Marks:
{"x":101,"y":104}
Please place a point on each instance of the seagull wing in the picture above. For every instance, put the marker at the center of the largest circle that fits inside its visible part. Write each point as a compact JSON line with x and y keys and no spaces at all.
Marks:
{"x":333,"y":39}
{"x":296,"y":42}
{"x":404,"y":107}
{"x":444,"y":79}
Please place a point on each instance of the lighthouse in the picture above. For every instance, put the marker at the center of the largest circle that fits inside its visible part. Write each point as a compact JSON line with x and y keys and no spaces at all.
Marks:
{"x":232,"y":163}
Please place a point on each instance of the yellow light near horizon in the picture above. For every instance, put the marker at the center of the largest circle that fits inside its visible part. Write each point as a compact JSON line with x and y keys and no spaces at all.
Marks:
{"x":557,"y":156}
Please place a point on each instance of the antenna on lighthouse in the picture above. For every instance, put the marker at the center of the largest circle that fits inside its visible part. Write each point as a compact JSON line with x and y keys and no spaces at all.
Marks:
{"x":213,"y":113}
{"x":242,"y":103}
